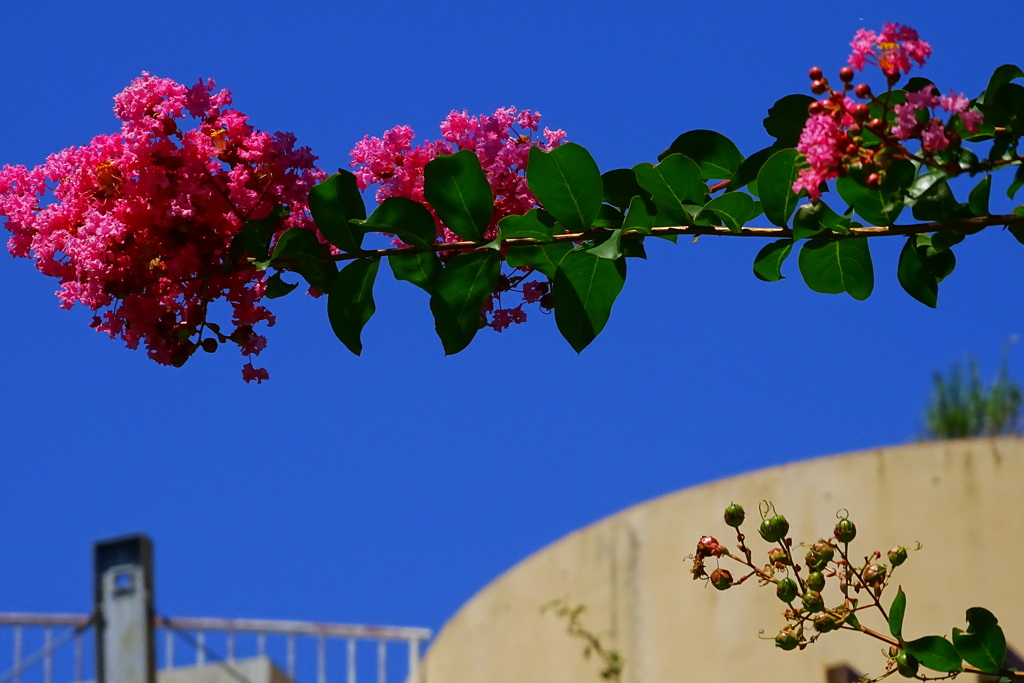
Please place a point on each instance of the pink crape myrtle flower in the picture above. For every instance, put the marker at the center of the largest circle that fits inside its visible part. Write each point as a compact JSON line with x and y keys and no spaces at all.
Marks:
{"x":138,"y":225}
{"x":501,"y":141}
{"x":821,"y":144}
{"x":891,"y":49}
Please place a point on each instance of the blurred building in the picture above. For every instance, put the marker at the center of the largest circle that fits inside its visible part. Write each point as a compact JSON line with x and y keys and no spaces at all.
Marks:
{"x":959,"y":499}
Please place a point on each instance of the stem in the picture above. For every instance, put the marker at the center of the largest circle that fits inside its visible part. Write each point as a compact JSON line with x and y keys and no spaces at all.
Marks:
{"x":967,"y":224}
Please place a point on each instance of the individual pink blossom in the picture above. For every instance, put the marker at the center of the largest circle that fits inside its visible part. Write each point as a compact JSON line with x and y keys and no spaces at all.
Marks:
{"x":138,"y":225}
{"x":821,"y":144}
{"x":933,"y":136}
{"x":891,"y":49}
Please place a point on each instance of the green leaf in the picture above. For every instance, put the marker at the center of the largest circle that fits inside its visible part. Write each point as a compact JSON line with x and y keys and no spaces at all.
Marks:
{"x":334,"y":203}
{"x":733,"y":208}
{"x":896,"y":612}
{"x":880,"y":206}
{"x":716,"y":155}
{"x":936,"y":203}
{"x":978,"y":200}
{"x":536,"y":224}
{"x":610,"y":248}
{"x":543,"y":257}
{"x":460,"y":291}
{"x":277,"y":287}
{"x":620,"y":186}
{"x":813,"y":219}
{"x":1017,"y":230}
{"x":1018,"y":181}
{"x":831,"y":266}
{"x":775,"y":185}
{"x":409,"y":220}
{"x":984,"y":644}
{"x":1007,"y":108}
{"x":257,"y":234}
{"x":419,"y":268}
{"x":456,"y":188}
{"x":299,"y":251}
{"x":676,"y":184}
{"x":768,"y":262}
{"x":914,"y":275}
{"x":935,"y":653}
{"x":350,"y":301}
{"x":608,"y":217}
{"x":751,"y":166}
{"x":1002,"y":75}
{"x":786,"y":119}
{"x":568,"y":184}
{"x":585,"y":287}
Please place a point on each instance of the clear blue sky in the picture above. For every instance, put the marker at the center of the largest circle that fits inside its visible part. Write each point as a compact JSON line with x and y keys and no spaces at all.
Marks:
{"x":389,"y":488}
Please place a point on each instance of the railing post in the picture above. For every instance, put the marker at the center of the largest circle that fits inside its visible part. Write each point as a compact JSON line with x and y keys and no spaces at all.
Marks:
{"x":125,"y":644}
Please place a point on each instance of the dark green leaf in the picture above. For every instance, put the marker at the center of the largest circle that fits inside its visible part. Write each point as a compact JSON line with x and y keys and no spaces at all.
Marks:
{"x":256,"y":235}
{"x":1018,"y":180}
{"x":1018,"y":231}
{"x":915,"y":277}
{"x":733,"y":208}
{"x":299,"y":251}
{"x":675,"y":184}
{"x":1007,"y":108}
{"x":896,"y":612}
{"x":608,"y":217}
{"x":935,"y":653}
{"x":620,"y":186}
{"x":460,"y":291}
{"x":536,"y":224}
{"x":716,"y":155}
{"x":916,"y":84}
{"x":786,"y":119}
{"x":832,"y":266}
{"x":775,"y":185}
{"x":768,"y":262}
{"x":418,"y":268}
{"x":585,"y":287}
{"x":936,"y":203}
{"x":984,"y":644}
{"x":568,"y":184}
{"x":882,"y":206}
{"x":350,"y":301}
{"x":408,"y":219}
{"x":751,"y":166}
{"x":978,"y":200}
{"x":543,"y":257}
{"x":457,"y":189}
{"x":1003,"y":74}
{"x":276,"y":287}
{"x":334,"y":203}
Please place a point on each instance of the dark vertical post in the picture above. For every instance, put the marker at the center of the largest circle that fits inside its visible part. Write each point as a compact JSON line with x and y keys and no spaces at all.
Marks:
{"x":125,"y":643}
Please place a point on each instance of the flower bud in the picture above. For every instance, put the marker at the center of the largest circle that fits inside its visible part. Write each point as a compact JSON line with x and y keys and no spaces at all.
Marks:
{"x":873,"y":181}
{"x":845,"y":530}
{"x":874,"y":575}
{"x":813,"y":602}
{"x":846,"y":74}
{"x":787,"y":640}
{"x":819,"y":555}
{"x":876,"y":126}
{"x":721,"y":579}
{"x":778,"y":557}
{"x":860,"y":112}
{"x":773,"y":528}
{"x":786,"y":590}
{"x":897,"y":555}
{"x":906,"y":664}
{"x":863,"y":91}
{"x":815,"y":581}
{"x":819,"y":87}
{"x":209,"y":345}
{"x":734,"y":515}
{"x":823,"y":623}
{"x":815,"y":73}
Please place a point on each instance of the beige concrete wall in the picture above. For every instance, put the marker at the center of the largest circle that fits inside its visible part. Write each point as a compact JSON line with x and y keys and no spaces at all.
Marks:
{"x":960,"y":499}
{"x":254,"y":670}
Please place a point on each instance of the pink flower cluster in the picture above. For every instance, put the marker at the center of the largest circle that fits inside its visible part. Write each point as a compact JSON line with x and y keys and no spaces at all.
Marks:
{"x":935,"y":134}
{"x":891,"y":50}
{"x":138,"y":225}
{"x":832,"y":140}
{"x":502,"y":142}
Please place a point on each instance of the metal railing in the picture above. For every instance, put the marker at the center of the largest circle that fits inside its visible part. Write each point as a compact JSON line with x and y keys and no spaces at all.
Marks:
{"x":37,"y":643}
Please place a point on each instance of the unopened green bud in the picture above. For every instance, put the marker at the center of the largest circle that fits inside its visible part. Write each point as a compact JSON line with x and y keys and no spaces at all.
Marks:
{"x":786,"y":590}
{"x":813,"y":602}
{"x":845,"y":531}
{"x":734,"y":515}
{"x":897,"y":555}
{"x":815,"y":581}
{"x":787,"y":640}
{"x":773,"y":528}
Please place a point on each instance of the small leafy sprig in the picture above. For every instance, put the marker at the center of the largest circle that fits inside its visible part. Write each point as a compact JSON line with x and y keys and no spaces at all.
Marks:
{"x":800,"y":583}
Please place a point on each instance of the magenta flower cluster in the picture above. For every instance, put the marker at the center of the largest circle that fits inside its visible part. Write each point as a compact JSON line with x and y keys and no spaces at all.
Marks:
{"x":832,"y":140}
{"x":891,"y":49}
{"x":138,"y":225}
{"x":502,"y":142}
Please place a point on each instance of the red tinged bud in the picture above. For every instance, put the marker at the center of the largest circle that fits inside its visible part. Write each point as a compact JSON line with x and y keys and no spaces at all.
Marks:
{"x":819,"y":87}
{"x":815,"y":74}
{"x":897,"y":555}
{"x":863,"y":91}
{"x":787,"y":640}
{"x":846,"y":74}
{"x":845,"y":530}
{"x":721,"y":579}
{"x":734,"y":515}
